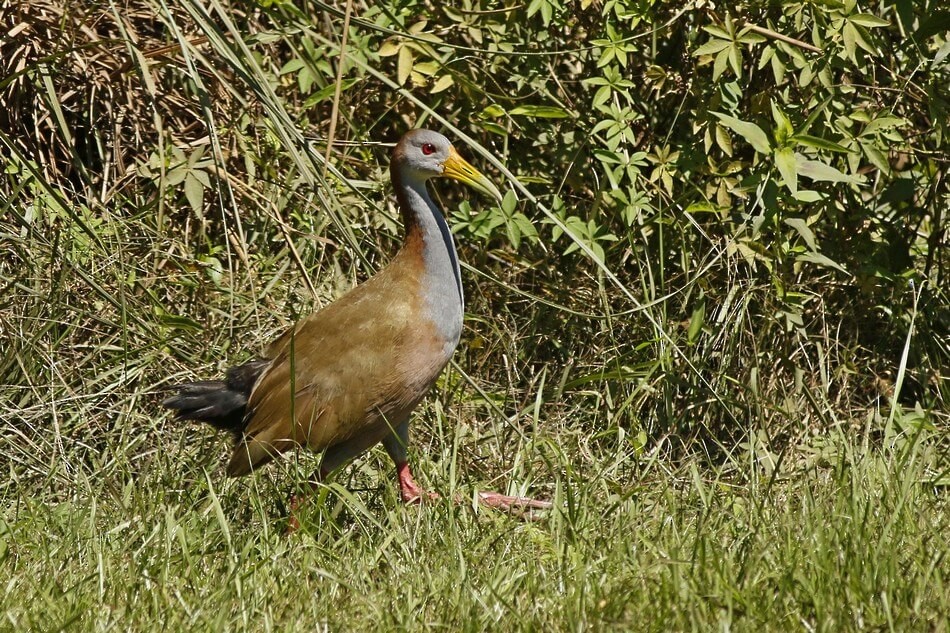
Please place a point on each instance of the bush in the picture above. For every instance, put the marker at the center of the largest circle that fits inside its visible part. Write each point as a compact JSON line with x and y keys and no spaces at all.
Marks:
{"x":732,"y":221}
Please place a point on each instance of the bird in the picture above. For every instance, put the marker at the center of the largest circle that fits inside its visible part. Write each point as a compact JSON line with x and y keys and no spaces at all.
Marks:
{"x":349,"y":375}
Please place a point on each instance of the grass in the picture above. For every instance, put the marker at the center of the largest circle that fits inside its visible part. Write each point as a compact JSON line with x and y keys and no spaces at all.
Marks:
{"x":152,"y":540}
{"x":728,"y":447}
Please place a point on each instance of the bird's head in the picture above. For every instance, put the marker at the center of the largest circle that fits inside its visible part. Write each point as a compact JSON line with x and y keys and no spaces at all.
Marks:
{"x":424,"y":154}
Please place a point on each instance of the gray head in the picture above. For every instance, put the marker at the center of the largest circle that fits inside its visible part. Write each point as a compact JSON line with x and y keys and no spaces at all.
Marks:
{"x":424,"y":154}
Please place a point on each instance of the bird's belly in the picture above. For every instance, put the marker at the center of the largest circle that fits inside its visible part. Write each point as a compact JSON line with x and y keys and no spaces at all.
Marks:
{"x":382,"y":398}
{"x":420,"y":365}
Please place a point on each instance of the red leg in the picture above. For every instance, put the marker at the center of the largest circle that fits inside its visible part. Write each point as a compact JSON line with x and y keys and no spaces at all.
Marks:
{"x":409,"y":490}
{"x":412,"y":493}
{"x":298,"y":501}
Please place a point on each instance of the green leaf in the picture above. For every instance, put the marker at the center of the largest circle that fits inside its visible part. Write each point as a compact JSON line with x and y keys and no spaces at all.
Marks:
{"x":494,"y":128}
{"x":510,"y":202}
{"x":328,"y":91}
{"x":603,"y":125}
{"x":751,"y":132}
{"x":801,"y":227}
{"x":849,"y":33}
{"x":177,"y":175}
{"x":807,"y":196}
{"x":389,"y":48}
{"x":701,"y":207}
{"x":718,"y":32}
{"x":492,"y":112}
{"x":540,"y":112}
{"x":179,"y":322}
{"x":883,"y":123}
{"x":735,"y":60}
{"x":778,"y":69}
{"x":783,"y":125}
{"x":787,"y":164}
{"x":819,"y":143}
{"x":194,"y":191}
{"x":859,"y":34}
{"x":202,"y":177}
{"x":514,"y":234}
{"x":520,"y":224}
{"x":602,"y":96}
{"x":696,"y":323}
{"x":819,"y":171}
{"x":750,"y":37}
{"x":868,"y":20}
{"x":711,"y":47}
{"x":404,"y":65}
{"x":821,"y":260}
{"x":719,"y":65}
{"x":608,"y":158}
{"x":426,"y":68}
{"x":442,"y":83}
{"x":291,"y":66}
{"x":724,"y":140}
{"x":815,"y":113}
{"x":876,"y":156}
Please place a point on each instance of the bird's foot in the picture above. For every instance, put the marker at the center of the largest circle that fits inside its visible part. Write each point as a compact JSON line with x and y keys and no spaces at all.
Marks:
{"x":419,"y":497}
{"x":299,"y":500}
{"x":512,"y":504}
{"x":521,"y":507}
{"x":411,"y":492}
{"x":293,"y":523}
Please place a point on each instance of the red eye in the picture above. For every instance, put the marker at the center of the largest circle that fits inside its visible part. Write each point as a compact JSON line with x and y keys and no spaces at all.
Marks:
{"x":428,"y":148}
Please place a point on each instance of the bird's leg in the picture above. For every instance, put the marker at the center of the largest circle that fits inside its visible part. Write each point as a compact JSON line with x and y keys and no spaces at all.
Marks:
{"x":395,"y":444}
{"x":412,"y":493}
{"x":409,"y":490}
{"x":298,"y":501}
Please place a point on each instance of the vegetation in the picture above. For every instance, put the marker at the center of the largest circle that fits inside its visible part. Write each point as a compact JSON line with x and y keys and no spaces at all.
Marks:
{"x":709,"y":320}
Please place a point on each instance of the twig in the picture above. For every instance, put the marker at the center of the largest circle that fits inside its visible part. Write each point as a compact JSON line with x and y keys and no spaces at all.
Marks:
{"x":761,"y":30}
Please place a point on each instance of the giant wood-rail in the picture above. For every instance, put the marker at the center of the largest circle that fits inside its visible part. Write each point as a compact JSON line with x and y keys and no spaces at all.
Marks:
{"x":348,"y":376}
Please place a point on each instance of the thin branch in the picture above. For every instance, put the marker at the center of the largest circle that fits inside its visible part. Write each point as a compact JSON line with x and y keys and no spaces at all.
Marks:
{"x":761,"y":30}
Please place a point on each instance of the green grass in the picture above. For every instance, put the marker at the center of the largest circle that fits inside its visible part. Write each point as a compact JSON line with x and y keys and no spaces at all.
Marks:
{"x":155,"y":540}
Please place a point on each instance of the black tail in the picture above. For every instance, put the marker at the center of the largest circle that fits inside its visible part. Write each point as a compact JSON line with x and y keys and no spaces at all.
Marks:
{"x":220,"y":403}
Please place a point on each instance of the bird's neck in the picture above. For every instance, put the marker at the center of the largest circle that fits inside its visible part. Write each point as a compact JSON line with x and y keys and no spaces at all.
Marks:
{"x":428,"y":234}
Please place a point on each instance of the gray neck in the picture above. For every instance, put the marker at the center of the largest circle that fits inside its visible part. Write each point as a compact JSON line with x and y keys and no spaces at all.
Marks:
{"x":443,"y":280}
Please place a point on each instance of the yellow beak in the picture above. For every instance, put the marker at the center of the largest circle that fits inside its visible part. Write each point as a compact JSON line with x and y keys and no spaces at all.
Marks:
{"x":458,"y":168}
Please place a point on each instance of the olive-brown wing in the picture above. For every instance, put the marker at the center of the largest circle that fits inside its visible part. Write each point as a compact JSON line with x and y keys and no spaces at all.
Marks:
{"x":333,"y":372}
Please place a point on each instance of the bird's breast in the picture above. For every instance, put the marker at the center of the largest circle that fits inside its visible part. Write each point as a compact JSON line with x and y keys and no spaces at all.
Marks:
{"x":441,"y":293}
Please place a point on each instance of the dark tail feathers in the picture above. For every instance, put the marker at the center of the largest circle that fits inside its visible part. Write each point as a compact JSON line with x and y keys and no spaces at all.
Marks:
{"x":220,"y":403}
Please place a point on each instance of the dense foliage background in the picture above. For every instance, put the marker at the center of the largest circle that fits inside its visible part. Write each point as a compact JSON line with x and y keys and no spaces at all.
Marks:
{"x":723,"y":258}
